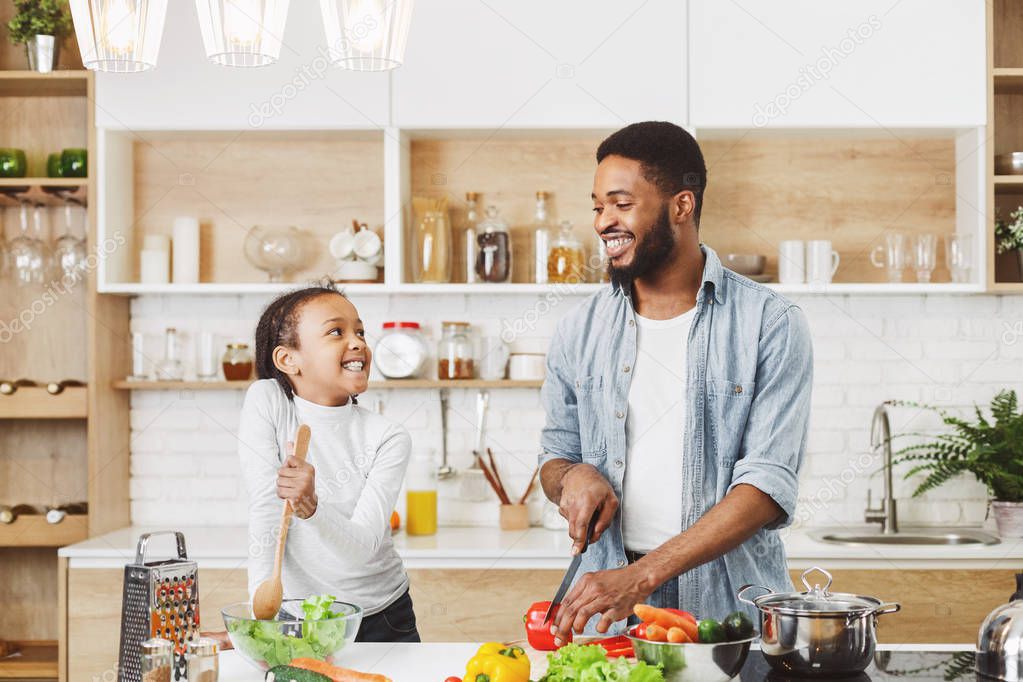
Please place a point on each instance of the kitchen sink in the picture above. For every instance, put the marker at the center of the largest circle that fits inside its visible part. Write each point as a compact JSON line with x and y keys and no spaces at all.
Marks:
{"x":907,"y":536}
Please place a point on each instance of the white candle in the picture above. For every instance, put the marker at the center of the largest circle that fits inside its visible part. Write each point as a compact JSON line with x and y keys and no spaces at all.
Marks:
{"x":185,"y":246}
{"x":154,"y":266}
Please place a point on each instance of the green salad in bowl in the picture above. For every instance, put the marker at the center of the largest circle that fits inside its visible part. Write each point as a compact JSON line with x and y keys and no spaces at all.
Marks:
{"x":318,"y":627}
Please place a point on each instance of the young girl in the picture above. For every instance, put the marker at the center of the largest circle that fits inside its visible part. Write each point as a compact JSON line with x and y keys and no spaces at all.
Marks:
{"x":312,"y":360}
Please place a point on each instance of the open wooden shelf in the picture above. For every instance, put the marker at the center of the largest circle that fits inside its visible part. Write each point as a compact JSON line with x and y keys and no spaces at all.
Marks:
{"x":37,"y":661}
{"x":33,"y":402}
{"x":56,"y":84}
{"x":34,"y":531}
{"x":44,"y":182}
{"x":380,"y":385}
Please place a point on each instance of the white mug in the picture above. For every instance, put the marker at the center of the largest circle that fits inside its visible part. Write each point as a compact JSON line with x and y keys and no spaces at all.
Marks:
{"x":493,"y":358}
{"x":791,"y":262}
{"x":821,"y":262}
{"x":527,"y":367}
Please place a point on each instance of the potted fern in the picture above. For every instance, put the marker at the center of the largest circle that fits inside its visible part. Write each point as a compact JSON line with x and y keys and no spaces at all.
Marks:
{"x":40,"y":25}
{"x":1009,"y":235}
{"x":989,"y":448}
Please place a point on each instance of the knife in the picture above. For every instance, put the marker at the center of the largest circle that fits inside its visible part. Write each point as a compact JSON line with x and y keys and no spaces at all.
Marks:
{"x":573,"y":568}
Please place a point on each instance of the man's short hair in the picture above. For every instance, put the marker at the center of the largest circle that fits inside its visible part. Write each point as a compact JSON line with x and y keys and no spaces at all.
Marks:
{"x":669,"y":157}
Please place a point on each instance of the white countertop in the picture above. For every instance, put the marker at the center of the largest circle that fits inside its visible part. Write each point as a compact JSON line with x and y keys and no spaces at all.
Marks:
{"x":537,"y":548}
{"x":435,"y":662}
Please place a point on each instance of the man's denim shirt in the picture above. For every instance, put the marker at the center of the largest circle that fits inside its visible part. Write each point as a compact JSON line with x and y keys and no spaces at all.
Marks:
{"x":749,"y":374}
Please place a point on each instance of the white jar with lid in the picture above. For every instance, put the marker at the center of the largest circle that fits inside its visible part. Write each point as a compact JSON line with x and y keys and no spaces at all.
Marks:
{"x":401,"y":353}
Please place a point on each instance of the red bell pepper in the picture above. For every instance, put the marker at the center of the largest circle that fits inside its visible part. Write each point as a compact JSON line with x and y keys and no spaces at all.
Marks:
{"x":616,"y":646}
{"x":539,"y":633}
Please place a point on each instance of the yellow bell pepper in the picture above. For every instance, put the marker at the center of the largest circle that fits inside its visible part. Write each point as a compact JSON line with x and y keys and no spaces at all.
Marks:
{"x":495,"y":662}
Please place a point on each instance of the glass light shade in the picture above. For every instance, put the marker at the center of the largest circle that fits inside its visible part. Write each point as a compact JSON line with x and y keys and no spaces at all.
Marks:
{"x":366,"y":35}
{"x":120,"y":36}
{"x":242,"y":32}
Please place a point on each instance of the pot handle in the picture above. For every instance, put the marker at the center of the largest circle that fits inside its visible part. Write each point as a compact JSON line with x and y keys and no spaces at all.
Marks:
{"x":745,"y":588}
{"x":818,"y":569}
{"x":887,"y":607}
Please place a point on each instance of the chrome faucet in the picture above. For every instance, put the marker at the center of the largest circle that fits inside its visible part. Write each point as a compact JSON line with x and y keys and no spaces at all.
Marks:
{"x":881,"y":437}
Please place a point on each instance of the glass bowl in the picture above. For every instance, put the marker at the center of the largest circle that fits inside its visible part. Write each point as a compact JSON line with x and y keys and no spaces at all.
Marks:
{"x":266,"y":643}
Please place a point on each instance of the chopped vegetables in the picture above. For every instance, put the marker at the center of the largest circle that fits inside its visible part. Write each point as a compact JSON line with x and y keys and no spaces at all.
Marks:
{"x":590,"y":663}
{"x":322,"y":634}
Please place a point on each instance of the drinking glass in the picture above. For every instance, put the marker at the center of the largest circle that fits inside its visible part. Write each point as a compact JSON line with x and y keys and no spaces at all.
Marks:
{"x":891,"y":255}
{"x":69,"y":250}
{"x":29,"y":255}
{"x":924,"y":255}
{"x":959,"y":256}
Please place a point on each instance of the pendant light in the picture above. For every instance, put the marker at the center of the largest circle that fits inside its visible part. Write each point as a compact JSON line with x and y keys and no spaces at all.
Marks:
{"x":121,"y":36}
{"x":366,"y":35}
{"x":242,"y":32}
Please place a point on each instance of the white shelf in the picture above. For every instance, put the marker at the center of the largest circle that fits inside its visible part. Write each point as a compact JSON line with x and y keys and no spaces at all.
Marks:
{"x":885,"y":288}
{"x":136,"y":289}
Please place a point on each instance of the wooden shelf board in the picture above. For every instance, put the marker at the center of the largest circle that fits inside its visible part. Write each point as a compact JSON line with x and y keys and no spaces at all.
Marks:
{"x":1006,"y":287}
{"x":44,"y":182}
{"x":33,"y":402}
{"x":37,"y":661}
{"x":27,"y":83}
{"x":34,"y":531}
{"x":379,"y":385}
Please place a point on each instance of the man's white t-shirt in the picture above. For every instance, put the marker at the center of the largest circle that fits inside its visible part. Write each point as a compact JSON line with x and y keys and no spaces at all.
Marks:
{"x":654,"y":430}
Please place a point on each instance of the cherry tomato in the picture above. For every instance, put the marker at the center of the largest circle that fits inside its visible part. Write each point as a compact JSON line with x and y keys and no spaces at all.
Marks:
{"x":453,"y":679}
{"x":639,"y":631}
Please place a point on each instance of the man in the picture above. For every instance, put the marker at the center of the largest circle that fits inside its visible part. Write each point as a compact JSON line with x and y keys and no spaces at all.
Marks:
{"x":677,"y":403}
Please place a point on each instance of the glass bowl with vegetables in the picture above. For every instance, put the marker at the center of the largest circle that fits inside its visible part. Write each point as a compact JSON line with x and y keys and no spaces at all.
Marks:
{"x":318,"y":628}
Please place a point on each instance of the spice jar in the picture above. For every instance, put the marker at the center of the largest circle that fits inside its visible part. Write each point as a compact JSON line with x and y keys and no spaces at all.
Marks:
{"x":454,"y":352}
{"x":401,"y":352}
{"x":201,"y":660}
{"x":157,"y":660}
{"x":237,"y":362}
{"x":566,"y":261}
{"x":493,"y":257}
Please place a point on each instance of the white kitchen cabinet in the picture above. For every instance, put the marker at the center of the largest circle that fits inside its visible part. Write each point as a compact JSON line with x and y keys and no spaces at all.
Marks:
{"x":805,"y":63}
{"x":532,"y":63}
{"x":185,"y":91}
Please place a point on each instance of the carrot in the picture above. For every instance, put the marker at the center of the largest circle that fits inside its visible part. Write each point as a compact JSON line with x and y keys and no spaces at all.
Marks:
{"x":335,"y":673}
{"x":666,"y":619}
{"x":677,"y":636}
{"x":655,"y":633}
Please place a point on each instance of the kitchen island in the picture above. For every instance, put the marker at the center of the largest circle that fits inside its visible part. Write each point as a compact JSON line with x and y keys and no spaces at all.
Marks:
{"x":436,"y":662}
{"x":474,"y":584}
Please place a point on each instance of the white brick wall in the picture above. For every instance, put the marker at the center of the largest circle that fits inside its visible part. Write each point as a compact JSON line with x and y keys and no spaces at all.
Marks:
{"x":947,"y":350}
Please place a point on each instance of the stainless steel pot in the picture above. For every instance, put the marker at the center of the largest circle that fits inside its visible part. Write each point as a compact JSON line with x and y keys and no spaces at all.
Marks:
{"x":817,"y":632}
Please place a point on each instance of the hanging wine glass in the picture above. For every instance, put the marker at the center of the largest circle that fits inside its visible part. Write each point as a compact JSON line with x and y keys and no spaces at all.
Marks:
{"x":69,"y":252}
{"x":29,"y":256}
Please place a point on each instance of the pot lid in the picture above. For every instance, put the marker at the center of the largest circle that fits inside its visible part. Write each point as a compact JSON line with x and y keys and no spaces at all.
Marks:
{"x":817,"y":600}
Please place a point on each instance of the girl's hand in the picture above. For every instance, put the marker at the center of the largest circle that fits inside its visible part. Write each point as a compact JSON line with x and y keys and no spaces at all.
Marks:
{"x":296,"y":483}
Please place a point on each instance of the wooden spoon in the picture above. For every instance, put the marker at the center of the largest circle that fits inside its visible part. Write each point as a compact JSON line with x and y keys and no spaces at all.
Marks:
{"x":266,"y":602}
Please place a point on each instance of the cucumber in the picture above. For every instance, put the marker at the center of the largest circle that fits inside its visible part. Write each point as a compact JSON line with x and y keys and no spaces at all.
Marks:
{"x":289,"y":673}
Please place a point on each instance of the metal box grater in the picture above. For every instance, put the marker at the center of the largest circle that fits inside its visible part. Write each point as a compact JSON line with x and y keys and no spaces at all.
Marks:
{"x":161,"y":599}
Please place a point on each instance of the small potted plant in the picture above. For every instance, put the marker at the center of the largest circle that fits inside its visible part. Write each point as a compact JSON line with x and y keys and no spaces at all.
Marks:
{"x":1009,"y":235}
{"x":40,"y":25}
{"x":989,"y":448}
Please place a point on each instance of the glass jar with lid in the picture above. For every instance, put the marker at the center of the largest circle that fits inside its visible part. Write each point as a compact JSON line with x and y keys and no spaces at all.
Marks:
{"x":237,"y":362}
{"x":401,"y":352}
{"x":201,"y":660}
{"x":494,"y":252}
{"x":157,"y":660}
{"x":455,"y":352}
{"x":567,"y":261}
{"x":432,"y":239}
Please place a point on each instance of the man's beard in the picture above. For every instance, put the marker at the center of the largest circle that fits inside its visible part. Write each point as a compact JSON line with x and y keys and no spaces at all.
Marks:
{"x":649,"y":254}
